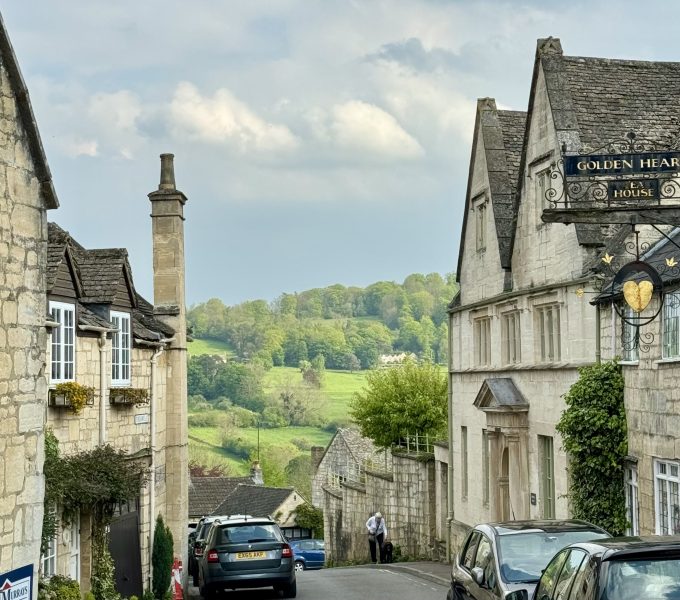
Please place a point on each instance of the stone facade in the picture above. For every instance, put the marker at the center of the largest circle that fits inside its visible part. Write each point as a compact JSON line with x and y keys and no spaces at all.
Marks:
{"x":507,"y":380}
{"x":405,"y":495}
{"x":109,"y":320}
{"x":26,"y":193}
{"x":506,"y":398}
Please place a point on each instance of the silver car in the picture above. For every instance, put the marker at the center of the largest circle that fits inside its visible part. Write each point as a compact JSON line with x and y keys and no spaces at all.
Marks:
{"x":504,"y":561}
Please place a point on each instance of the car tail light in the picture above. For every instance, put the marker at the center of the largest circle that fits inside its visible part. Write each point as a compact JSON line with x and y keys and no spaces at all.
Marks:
{"x":286,"y":552}
{"x":213,"y":556}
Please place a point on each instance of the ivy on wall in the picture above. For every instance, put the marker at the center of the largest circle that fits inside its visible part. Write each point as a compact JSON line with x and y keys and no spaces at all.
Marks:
{"x":310,"y":517}
{"x":92,"y":482}
{"x":594,"y":432}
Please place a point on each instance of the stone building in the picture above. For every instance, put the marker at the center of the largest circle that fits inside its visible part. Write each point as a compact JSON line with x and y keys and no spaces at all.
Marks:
{"x":346,"y":452}
{"x":132,"y":356}
{"x":520,"y":328}
{"x":26,"y":193}
{"x":519,"y":331}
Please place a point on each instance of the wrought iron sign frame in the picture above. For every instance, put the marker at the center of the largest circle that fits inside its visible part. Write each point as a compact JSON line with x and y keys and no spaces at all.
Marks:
{"x":587,"y":197}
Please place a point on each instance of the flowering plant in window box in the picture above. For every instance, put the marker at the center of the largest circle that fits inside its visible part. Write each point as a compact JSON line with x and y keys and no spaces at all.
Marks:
{"x":71,"y":394}
{"x":136,"y":396}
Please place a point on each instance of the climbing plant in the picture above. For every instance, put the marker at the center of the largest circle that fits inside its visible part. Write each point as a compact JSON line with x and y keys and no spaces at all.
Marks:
{"x":92,"y":482}
{"x":593,"y":429}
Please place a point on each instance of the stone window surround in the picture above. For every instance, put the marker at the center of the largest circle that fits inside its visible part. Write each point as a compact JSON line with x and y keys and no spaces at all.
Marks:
{"x":546,"y":460}
{"x":479,"y":205}
{"x":481,"y":332}
{"x":124,"y":366}
{"x":671,"y":480}
{"x":671,"y":311}
{"x":511,"y":341}
{"x":59,"y":330}
{"x":632,"y":497}
{"x":538,"y":307}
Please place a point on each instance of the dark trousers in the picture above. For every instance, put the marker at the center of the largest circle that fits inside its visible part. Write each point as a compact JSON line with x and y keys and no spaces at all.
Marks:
{"x":379,"y":539}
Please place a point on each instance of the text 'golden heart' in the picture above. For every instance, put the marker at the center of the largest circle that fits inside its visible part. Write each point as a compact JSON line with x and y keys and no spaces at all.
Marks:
{"x":638,"y":296}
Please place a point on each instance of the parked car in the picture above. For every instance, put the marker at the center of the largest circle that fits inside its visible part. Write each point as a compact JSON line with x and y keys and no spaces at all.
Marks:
{"x":505,"y":560}
{"x":246,"y":552}
{"x":308,"y":554}
{"x":614,"y":569}
{"x":197,"y":542}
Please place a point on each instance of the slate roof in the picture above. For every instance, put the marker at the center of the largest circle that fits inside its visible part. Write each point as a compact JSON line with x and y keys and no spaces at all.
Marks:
{"x":502,"y":132}
{"x":504,"y":392}
{"x":207,"y":493}
{"x":255,"y":500}
{"x":99,"y":273}
{"x":360,"y":447}
{"x":611,"y":97}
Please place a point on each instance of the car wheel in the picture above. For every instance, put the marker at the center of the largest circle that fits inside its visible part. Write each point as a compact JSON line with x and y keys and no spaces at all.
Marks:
{"x":299,"y":565}
{"x":290,"y":590}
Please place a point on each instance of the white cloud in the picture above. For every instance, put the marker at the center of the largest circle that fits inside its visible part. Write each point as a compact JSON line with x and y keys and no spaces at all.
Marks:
{"x":365,"y":128}
{"x":224,"y":119}
{"x":75,"y":147}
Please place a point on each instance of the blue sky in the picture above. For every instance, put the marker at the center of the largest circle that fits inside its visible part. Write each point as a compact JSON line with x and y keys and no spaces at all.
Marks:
{"x":318,"y":141}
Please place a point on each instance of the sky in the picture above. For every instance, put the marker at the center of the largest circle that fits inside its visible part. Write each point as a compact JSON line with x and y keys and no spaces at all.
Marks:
{"x":318,"y":141}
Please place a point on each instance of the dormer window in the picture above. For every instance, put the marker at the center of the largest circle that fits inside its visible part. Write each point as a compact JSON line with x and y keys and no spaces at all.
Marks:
{"x":62,"y":362}
{"x":121,"y":348}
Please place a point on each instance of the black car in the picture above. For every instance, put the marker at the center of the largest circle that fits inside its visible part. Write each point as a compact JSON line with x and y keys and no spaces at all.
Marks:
{"x":246,"y":553}
{"x":633,"y":568}
{"x":500,"y":560}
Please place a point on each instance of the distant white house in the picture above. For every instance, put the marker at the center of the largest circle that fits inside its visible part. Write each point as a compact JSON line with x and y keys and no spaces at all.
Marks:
{"x":388,"y":360}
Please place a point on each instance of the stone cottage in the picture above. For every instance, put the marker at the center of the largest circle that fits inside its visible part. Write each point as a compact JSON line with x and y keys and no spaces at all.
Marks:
{"x":131,"y":358}
{"x":26,"y":193}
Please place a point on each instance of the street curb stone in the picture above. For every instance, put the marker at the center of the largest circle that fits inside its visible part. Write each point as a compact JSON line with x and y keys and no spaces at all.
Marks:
{"x":396,"y":567}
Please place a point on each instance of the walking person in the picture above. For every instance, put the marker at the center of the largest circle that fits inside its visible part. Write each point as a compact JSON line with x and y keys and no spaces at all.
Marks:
{"x":377,"y":534}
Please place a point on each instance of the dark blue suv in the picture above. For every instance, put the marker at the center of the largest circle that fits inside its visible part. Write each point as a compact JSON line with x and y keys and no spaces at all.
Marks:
{"x":308,"y":554}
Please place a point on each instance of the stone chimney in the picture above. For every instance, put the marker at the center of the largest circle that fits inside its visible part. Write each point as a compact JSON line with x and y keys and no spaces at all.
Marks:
{"x":256,"y":473}
{"x":317,"y":456}
{"x":167,"y":219}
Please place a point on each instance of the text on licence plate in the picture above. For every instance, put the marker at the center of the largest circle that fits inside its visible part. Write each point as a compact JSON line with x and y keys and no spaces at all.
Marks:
{"x":250,"y":555}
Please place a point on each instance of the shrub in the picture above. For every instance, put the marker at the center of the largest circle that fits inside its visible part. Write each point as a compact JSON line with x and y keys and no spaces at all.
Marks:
{"x":238,"y":446}
{"x":203,"y":419}
{"x":301,"y":444}
{"x":58,"y":588}
{"x":161,"y":558}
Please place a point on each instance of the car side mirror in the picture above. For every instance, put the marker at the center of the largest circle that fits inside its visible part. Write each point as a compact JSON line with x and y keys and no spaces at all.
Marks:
{"x":518,"y":595}
{"x":478,"y":575}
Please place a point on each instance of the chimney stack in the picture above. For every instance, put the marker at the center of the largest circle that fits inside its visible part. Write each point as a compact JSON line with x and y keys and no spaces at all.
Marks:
{"x":317,"y":456}
{"x":167,"y":219}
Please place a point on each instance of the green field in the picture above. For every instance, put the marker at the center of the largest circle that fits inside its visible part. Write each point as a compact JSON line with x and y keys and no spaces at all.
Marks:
{"x":338,"y":387}
{"x":209,"y":346}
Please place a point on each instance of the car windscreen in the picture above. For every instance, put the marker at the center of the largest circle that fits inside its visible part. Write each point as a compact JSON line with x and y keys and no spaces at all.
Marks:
{"x":248,"y":534}
{"x":657,"y":578}
{"x":523,"y":556}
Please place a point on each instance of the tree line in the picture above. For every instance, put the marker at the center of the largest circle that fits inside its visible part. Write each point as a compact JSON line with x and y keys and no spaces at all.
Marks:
{"x":350,"y":327}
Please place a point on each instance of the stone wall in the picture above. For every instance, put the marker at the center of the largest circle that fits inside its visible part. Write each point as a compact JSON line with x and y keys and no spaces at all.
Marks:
{"x":23,"y":236}
{"x":405,"y":496}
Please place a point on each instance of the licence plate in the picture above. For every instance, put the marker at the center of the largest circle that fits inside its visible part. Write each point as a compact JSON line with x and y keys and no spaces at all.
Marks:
{"x":250,"y":555}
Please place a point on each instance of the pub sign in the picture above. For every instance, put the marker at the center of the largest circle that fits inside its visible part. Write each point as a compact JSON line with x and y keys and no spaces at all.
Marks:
{"x":621,"y":164}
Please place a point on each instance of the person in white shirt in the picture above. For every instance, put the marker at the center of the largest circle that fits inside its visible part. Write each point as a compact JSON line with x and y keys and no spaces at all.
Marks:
{"x":377,"y":534}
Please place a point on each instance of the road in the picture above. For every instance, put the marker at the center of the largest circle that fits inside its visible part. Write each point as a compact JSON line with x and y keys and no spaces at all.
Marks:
{"x":357,"y":583}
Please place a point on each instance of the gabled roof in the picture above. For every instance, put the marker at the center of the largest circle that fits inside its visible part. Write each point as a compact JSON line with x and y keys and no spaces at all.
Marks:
{"x":502,"y":132}
{"x":595,"y":101}
{"x":361,"y":448}
{"x":101,"y":271}
{"x":97,"y":275}
{"x":207,"y":493}
{"x":500,"y":394}
{"x":27,"y":119}
{"x":255,"y":500}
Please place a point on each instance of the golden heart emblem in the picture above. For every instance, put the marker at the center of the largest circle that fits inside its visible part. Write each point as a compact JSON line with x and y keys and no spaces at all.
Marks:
{"x":638,"y":295}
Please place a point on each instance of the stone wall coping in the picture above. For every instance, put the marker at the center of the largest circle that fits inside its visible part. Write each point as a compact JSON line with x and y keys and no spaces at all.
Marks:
{"x":415,"y":456}
{"x":332,"y":491}
{"x":353,"y":486}
{"x":565,"y":366}
{"x":380,"y":474}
